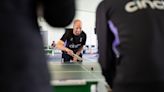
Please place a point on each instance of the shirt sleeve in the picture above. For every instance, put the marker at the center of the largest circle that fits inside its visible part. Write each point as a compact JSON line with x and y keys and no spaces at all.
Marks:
{"x":84,"y":38}
{"x":65,"y":36}
{"x":105,"y":40}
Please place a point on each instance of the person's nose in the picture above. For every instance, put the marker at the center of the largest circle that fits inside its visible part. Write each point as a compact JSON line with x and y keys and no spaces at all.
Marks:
{"x":78,"y":30}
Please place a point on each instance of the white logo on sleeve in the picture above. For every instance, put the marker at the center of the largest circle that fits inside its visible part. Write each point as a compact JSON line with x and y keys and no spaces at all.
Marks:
{"x":143,"y":4}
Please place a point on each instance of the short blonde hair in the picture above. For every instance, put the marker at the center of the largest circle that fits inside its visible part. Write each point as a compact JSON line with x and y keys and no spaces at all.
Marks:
{"x":77,"y":20}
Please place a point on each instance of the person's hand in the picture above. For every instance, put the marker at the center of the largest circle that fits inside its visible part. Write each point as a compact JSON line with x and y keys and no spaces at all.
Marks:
{"x":69,"y":51}
{"x":74,"y":59}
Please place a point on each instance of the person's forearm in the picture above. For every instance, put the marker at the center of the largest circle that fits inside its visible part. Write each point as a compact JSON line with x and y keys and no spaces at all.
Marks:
{"x":63,"y":48}
{"x":60,"y":45}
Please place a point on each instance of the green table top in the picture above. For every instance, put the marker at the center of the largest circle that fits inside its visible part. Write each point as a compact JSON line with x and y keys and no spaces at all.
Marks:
{"x":74,"y":74}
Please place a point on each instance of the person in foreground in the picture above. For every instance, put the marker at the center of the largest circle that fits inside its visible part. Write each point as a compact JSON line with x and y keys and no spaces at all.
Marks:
{"x":72,"y":42}
{"x":131,"y":40}
{"x":23,"y":65}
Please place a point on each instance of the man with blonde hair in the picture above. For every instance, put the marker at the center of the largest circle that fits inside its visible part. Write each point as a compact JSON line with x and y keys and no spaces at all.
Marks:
{"x":72,"y":42}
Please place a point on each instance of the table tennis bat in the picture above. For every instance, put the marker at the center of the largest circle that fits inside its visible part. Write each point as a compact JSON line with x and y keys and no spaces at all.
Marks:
{"x":77,"y":56}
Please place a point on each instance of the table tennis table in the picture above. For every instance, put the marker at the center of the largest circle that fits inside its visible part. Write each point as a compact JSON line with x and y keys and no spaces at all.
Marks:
{"x":75,"y":77}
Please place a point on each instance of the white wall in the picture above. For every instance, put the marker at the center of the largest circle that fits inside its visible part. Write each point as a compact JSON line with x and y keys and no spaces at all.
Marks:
{"x":88,"y":25}
{"x":85,"y":11}
{"x":54,"y":34}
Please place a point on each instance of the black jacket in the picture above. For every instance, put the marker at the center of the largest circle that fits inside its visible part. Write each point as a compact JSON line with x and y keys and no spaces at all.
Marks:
{"x":132,"y":33}
{"x":23,"y":65}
